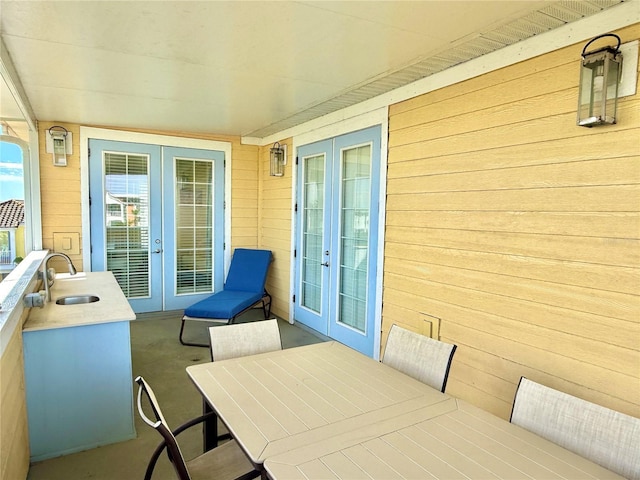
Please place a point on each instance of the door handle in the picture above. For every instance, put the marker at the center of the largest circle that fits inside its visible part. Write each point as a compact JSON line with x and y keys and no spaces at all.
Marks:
{"x":157,"y":250}
{"x":325,"y":264}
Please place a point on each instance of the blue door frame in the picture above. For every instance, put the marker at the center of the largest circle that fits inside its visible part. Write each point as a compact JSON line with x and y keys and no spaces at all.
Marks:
{"x":337,"y":237}
{"x":153,"y":178}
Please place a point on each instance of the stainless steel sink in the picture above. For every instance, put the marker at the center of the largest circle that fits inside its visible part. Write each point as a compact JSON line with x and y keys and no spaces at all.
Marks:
{"x":77,"y":299}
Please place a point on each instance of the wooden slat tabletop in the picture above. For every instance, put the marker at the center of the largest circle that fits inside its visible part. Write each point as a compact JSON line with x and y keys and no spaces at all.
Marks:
{"x":463,"y":442}
{"x":277,"y":401}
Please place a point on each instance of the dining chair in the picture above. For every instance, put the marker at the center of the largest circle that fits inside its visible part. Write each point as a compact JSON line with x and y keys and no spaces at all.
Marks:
{"x":238,"y":340}
{"x":225,"y":462}
{"x":241,"y":339}
{"x":604,"y":436}
{"x":418,"y":356}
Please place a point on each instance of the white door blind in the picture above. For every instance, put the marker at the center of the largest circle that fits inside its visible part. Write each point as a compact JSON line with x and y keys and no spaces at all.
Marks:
{"x":194,"y":226}
{"x":127,"y":221}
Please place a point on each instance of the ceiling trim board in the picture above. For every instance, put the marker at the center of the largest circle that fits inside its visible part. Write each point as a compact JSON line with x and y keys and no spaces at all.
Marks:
{"x":614,"y":18}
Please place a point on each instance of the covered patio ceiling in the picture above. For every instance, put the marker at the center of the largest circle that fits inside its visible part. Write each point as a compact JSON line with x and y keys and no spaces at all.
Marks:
{"x":250,"y":68}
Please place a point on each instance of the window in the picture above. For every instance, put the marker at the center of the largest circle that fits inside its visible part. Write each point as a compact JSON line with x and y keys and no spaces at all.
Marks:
{"x":18,"y":138}
{"x":12,"y":224}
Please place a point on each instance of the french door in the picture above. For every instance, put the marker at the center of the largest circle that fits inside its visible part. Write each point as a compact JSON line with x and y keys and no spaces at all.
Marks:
{"x":157,"y":221}
{"x":336,"y":242}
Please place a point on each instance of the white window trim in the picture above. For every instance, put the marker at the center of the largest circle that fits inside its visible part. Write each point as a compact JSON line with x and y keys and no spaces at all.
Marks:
{"x":31,"y":183}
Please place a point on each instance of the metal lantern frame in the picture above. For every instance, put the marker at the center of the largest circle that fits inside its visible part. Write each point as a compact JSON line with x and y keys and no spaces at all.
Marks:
{"x":277,"y":160}
{"x":599,"y":83}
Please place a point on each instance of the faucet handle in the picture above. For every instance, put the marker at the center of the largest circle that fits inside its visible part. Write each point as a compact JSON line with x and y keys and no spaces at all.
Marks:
{"x":35,"y":299}
{"x":49,"y":276}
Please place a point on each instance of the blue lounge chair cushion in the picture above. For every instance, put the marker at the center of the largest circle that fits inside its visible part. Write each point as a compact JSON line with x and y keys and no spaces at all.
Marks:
{"x":225,"y":304}
{"x":248,"y":270}
{"x":243,"y":288}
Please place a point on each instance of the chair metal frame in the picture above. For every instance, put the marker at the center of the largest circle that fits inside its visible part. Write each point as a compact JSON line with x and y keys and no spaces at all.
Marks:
{"x":169,"y":442}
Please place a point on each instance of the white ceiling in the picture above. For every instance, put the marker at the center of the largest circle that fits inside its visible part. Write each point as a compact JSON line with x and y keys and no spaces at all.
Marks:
{"x":248,"y":68}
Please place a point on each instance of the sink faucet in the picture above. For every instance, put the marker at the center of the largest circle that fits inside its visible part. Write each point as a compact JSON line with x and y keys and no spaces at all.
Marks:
{"x":45,"y":274}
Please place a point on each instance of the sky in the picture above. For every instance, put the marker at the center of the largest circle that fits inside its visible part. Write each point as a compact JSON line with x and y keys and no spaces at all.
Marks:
{"x":11,"y":173}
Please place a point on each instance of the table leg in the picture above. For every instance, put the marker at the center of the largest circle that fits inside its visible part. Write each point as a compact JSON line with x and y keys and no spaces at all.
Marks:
{"x":209,"y":429}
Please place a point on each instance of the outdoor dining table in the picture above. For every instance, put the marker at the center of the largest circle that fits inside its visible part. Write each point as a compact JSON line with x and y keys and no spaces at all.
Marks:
{"x":463,"y":442}
{"x":326,"y":411}
{"x":277,"y":401}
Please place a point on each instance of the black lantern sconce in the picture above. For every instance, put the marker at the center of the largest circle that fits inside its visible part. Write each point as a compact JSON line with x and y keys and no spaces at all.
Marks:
{"x":599,"y":83}
{"x":278,"y":159}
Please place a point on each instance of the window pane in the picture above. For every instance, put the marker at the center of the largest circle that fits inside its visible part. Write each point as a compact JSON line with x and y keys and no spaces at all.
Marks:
{"x":127,"y":221}
{"x":194,"y":222}
{"x":354,"y":236}
{"x":12,"y":198}
{"x":312,"y":221}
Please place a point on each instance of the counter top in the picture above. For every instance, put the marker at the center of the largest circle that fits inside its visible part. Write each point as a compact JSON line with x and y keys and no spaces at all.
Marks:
{"x":112,"y":307}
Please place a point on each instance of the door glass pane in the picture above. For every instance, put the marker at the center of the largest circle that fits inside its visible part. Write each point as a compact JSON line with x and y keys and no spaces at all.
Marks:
{"x":194,"y":226}
{"x":127,"y":221}
{"x":312,"y":231}
{"x":354,"y":236}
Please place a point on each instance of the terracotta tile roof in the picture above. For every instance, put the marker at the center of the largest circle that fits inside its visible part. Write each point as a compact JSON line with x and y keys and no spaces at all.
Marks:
{"x":11,"y":213}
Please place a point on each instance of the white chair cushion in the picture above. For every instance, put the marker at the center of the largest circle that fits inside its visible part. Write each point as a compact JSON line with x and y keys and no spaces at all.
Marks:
{"x":241,"y":339}
{"x":607,"y":437}
{"x":418,"y":356}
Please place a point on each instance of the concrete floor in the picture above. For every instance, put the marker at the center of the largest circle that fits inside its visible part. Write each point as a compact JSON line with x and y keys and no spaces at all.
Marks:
{"x":159,"y":357}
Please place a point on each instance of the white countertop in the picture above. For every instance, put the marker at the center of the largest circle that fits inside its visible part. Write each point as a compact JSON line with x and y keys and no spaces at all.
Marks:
{"x":112,"y":307}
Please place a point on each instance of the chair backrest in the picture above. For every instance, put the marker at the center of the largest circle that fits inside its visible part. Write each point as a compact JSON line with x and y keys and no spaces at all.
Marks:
{"x":604,"y":436}
{"x":160,"y":424}
{"x":241,"y":339}
{"x":418,"y":356}
{"x":248,"y":270}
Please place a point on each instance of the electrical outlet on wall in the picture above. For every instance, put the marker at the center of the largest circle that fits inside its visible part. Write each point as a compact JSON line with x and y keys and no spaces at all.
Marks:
{"x":430,"y":326}
{"x":66,"y":242}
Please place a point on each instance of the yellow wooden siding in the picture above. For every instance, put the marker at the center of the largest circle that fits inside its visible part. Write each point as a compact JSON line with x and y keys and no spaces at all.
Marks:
{"x":244,"y":195}
{"x":520,"y":231}
{"x":14,"y":432}
{"x":274,"y":225}
{"x":20,"y":250}
{"x":60,"y":195}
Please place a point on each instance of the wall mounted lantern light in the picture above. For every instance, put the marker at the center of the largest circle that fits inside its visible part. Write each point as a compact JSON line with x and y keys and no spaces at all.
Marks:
{"x":58,"y":143}
{"x":599,"y":79}
{"x":278,"y":159}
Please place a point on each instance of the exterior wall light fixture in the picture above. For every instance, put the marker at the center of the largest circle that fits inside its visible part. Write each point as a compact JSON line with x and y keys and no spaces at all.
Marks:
{"x":599,"y":80}
{"x":278,"y":159}
{"x":58,"y":143}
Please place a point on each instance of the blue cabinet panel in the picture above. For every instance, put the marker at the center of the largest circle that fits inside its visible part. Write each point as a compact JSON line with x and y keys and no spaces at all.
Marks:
{"x":79,"y":388}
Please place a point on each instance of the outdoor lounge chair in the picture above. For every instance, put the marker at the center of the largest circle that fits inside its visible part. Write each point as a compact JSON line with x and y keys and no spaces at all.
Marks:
{"x":243,"y":290}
